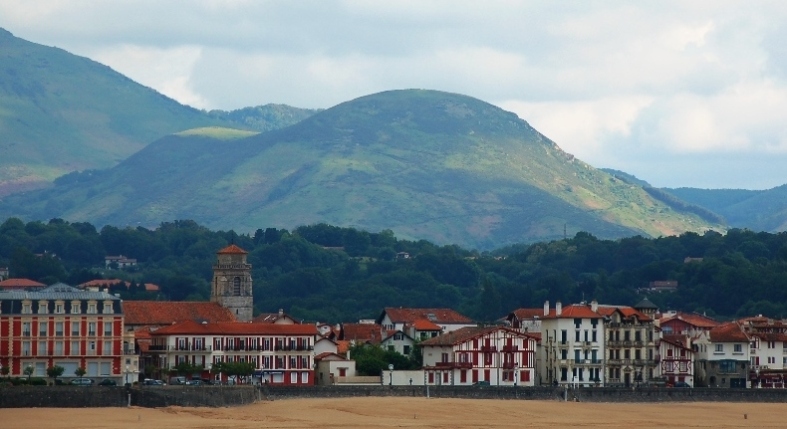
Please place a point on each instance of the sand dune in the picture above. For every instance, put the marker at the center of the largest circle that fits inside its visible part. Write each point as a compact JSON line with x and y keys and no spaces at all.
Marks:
{"x":408,"y":413}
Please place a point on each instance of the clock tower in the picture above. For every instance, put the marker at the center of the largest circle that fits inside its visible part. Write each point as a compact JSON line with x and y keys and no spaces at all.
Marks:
{"x":231,"y":286}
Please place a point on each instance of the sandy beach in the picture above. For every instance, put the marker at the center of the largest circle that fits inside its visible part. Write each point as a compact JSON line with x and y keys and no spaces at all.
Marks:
{"x":408,"y":413}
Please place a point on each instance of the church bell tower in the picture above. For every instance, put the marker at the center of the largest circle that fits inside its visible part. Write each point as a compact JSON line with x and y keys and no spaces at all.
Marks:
{"x":231,"y":286}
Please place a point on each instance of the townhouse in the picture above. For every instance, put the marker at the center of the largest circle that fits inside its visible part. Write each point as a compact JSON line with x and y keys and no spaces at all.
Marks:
{"x":723,"y":360}
{"x":676,"y":359}
{"x":61,"y":325}
{"x":630,"y":345}
{"x":281,"y":354}
{"x":494,"y":355}
{"x":767,"y":351}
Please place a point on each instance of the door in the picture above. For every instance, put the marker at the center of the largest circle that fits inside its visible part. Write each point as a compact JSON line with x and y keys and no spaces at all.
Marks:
{"x":627,"y":379}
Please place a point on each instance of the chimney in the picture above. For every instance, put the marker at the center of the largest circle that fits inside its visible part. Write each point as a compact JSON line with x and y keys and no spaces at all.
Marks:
{"x":281,"y":312}
{"x":546,"y":308}
{"x":594,"y":305}
{"x":558,"y":308}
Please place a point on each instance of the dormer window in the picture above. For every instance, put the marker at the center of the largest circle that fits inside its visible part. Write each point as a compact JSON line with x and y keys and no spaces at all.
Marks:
{"x":91,"y":307}
{"x":27,"y":307}
{"x":75,"y":307}
{"x":60,"y":307}
{"x":43,"y":307}
{"x":108,"y":309}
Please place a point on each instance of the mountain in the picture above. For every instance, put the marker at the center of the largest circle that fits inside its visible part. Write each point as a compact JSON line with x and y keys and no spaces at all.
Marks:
{"x":761,"y":210}
{"x":426,"y":164}
{"x":61,"y":113}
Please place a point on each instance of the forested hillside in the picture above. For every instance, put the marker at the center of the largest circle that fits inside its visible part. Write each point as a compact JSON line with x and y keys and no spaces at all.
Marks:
{"x":326,"y":273}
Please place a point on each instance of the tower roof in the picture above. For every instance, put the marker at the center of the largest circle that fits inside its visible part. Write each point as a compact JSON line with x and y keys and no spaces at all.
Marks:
{"x":232,"y":249}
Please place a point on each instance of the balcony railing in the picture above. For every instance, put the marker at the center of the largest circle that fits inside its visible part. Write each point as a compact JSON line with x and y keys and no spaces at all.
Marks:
{"x":488,"y":349}
{"x":510,"y":349}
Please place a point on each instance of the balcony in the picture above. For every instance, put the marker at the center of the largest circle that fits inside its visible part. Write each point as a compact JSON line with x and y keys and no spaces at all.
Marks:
{"x":509,"y":365}
{"x":508,"y":349}
{"x":590,"y":362}
{"x":489,"y":349}
{"x":464,"y":365}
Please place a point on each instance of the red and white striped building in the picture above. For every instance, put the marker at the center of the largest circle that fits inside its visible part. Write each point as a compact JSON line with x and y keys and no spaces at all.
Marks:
{"x":497,"y":355}
{"x":62,"y":326}
{"x":280,"y":353}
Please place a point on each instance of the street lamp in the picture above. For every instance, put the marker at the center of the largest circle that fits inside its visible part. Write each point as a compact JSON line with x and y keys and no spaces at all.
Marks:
{"x":390,"y":374}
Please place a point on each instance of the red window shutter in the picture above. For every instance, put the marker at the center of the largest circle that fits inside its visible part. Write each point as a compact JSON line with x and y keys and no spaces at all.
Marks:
{"x":431,"y":378}
{"x":524,"y":376}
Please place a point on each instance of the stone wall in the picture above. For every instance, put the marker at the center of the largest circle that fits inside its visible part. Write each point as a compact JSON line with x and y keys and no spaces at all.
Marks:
{"x":222,"y":396}
{"x":108,"y":396}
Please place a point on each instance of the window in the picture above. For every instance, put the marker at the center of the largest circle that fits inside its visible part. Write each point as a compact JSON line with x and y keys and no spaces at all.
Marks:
{"x":60,"y":308}
{"x":42,"y":348}
{"x":91,"y":307}
{"x":576,"y":337}
{"x":107,"y":348}
{"x":42,"y":329}
{"x":58,"y":329}
{"x":76,"y":307}
{"x":25,"y":329}
{"x":107,"y":329}
{"x":43,"y":307}
{"x":293,"y":362}
{"x":293,"y":377}
{"x":105,"y":368}
{"x":25,"y":348}
{"x":27,"y":307}
{"x":74,"y":348}
{"x":74,"y":329}
{"x":91,"y":329}
{"x":719,"y":348}
{"x":727,"y":366}
{"x":737,"y":348}
{"x":108,"y":309}
{"x":58,"y":348}
{"x":236,"y":286}
{"x":407,"y":350}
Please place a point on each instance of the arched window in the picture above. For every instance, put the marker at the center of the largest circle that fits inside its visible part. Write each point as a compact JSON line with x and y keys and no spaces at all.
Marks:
{"x":236,"y":286}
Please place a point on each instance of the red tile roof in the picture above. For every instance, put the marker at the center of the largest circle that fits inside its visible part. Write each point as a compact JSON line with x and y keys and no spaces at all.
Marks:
{"x":324,"y":355}
{"x":425,"y":325}
{"x":149,"y":287}
{"x":436,"y":315}
{"x":573,"y":311}
{"x":676,"y":340}
{"x":626,"y":311}
{"x":20,"y":283}
{"x":528,"y":313}
{"x":361,"y":332}
{"x":159,"y":313}
{"x":232,"y":249}
{"x":191,"y":327}
{"x":467,"y":333}
{"x":729,"y":332}
{"x":342,"y":347}
{"x":694,"y":319}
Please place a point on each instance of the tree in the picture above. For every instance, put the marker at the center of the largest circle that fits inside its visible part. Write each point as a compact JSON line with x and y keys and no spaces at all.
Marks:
{"x":55,"y":371}
{"x":80,"y":372}
{"x":28,"y":371}
{"x":4,"y":371}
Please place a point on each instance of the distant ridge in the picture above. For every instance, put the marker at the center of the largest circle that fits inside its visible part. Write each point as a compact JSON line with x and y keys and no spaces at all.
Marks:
{"x":426,"y":164}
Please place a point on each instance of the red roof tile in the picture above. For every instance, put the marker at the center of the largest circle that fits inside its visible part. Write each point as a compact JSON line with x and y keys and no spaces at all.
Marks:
{"x":626,"y":311}
{"x":729,"y":332}
{"x":676,"y":340}
{"x":436,"y":315}
{"x":232,"y":249}
{"x":191,"y":327}
{"x":361,"y":332}
{"x":425,"y":325}
{"x":694,"y":319}
{"x":573,"y":311}
{"x":159,"y":313}
{"x":20,"y":283}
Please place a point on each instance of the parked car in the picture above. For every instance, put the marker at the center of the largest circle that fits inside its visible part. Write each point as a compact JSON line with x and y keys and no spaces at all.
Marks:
{"x":151,"y":382}
{"x":481,"y":383}
{"x":108,"y":382}
{"x":195,"y":382}
{"x":177,"y":380}
{"x":682,"y":384}
{"x":82,"y":381}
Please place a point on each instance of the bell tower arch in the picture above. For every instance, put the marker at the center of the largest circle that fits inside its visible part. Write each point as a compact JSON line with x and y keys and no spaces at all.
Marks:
{"x":231,"y":286}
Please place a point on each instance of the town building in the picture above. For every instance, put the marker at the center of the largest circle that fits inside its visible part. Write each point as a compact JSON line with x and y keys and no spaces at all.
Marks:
{"x":409,"y":319}
{"x":61,"y":325}
{"x":676,"y":359}
{"x":723,"y":357}
{"x":492,"y":355}
{"x":119,"y":262}
{"x":573,"y":345}
{"x":630,"y":345}
{"x":281,"y":354}
{"x":767,"y":351}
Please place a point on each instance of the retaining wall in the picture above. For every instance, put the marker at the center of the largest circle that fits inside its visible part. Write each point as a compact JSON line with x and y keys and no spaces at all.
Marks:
{"x":109,"y":396}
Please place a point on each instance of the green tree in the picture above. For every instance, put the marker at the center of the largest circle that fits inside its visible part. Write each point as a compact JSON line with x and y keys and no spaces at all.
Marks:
{"x":54,"y":371}
{"x":80,"y":372}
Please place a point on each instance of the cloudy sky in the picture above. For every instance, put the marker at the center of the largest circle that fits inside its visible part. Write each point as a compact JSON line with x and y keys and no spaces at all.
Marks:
{"x":679,"y":93}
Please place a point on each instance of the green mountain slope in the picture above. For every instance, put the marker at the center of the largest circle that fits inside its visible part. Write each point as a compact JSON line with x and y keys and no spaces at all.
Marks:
{"x":755,"y":210}
{"x":61,"y":113}
{"x":425,"y":164}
